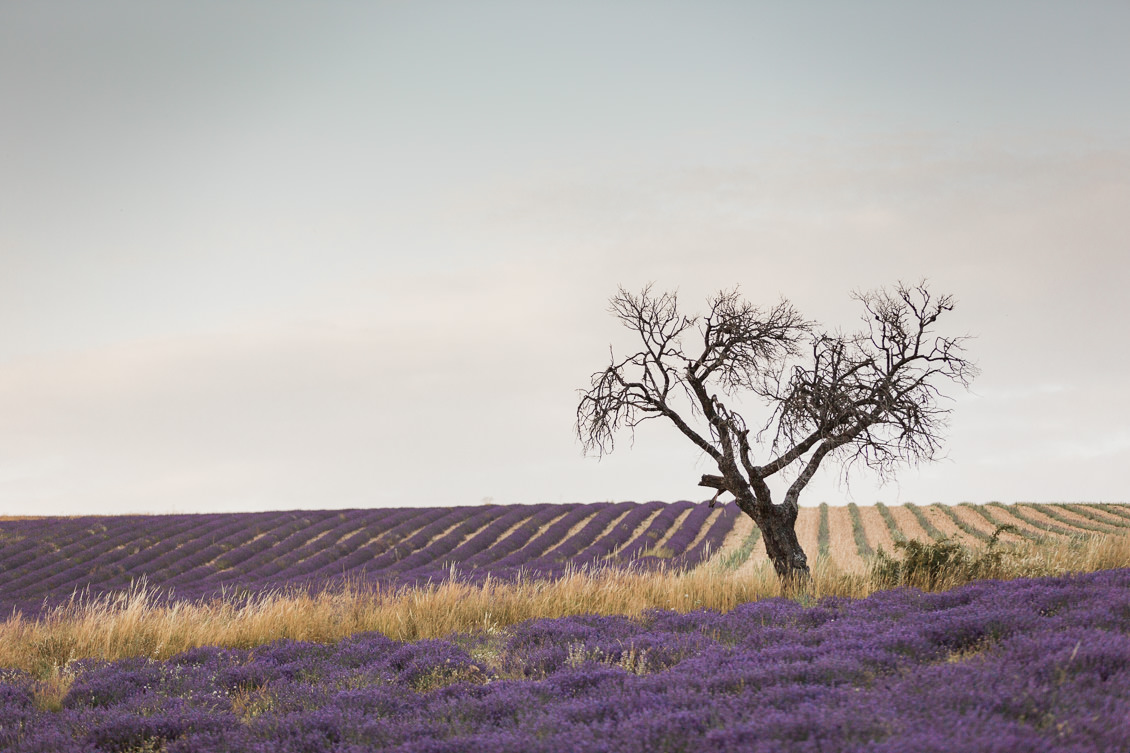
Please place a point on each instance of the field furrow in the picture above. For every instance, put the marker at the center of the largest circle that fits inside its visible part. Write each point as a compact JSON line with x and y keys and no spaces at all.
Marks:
{"x":841,"y":544}
{"x":807,"y":531}
{"x":875,"y":526}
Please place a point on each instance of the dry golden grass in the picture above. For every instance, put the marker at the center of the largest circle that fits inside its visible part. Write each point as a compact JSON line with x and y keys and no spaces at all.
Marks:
{"x":135,"y":624}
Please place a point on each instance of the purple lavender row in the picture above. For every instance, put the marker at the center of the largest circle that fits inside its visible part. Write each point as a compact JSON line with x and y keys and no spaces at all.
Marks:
{"x":321,"y":539}
{"x":438,"y":552}
{"x":104,"y":577}
{"x":261,"y":548}
{"x":571,"y":548}
{"x":531,"y":519}
{"x":287,"y":552}
{"x":63,"y":571}
{"x":655,"y":530}
{"x":150,"y":536}
{"x":477,"y":548}
{"x":201,"y":564}
{"x":381,"y":558}
{"x":528,"y":555}
{"x":326,"y":537}
{"x":452,"y":516}
{"x":495,"y":542}
{"x":148,"y":562}
{"x":691,"y":527}
{"x":674,"y":550}
{"x":231,"y":534}
{"x":355,"y":550}
{"x":712,"y":542}
{"x":48,"y":553}
{"x":175,"y":553}
{"x":407,"y":524}
{"x":553,"y":559}
{"x":18,"y":537}
{"x":621,"y":534}
{"x":22,"y":559}
{"x":594,"y":538}
{"x":54,"y":580}
{"x":204,"y":579}
{"x":520,"y":540}
{"x":20,"y":547}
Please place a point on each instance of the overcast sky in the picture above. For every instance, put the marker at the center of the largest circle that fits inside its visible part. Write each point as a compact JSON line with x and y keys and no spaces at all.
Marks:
{"x":274,"y":255}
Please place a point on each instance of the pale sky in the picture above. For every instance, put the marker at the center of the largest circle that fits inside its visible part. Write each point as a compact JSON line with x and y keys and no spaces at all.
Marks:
{"x":276,"y":255}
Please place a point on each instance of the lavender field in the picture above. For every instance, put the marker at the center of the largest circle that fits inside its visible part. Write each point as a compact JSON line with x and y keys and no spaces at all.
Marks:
{"x":43,"y":562}
{"x":1030,"y":664}
{"x":1025,"y":665}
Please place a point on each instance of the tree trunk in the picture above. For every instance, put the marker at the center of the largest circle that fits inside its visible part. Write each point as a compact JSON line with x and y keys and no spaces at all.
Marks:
{"x":778,"y":529}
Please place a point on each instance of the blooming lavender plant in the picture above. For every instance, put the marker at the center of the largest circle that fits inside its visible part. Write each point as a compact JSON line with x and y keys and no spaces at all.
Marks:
{"x":1025,"y":665}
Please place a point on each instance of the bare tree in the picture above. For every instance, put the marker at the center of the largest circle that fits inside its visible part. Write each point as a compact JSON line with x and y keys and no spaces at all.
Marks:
{"x":871,"y":397}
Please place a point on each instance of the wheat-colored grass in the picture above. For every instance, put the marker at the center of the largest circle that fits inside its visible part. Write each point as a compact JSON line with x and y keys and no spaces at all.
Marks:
{"x":757,"y":559}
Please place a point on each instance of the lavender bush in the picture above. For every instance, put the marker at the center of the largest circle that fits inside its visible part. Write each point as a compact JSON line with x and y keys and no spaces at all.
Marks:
{"x":1024,"y":665}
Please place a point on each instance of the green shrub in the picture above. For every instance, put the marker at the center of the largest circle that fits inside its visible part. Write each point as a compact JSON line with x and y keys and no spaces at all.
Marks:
{"x":934,"y":564}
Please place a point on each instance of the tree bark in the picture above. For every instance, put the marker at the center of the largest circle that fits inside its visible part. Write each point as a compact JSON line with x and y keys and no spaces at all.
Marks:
{"x":778,"y":529}
{"x":777,"y":523}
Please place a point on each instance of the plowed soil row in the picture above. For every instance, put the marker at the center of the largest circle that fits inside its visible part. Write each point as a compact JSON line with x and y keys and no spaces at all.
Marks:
{"x":1031,"y":521}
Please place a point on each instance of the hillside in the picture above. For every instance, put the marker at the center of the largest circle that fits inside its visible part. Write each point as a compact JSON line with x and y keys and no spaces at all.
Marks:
{"x":48,"y":559}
